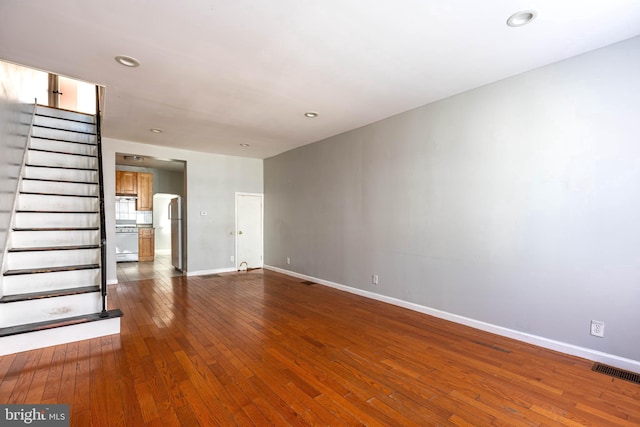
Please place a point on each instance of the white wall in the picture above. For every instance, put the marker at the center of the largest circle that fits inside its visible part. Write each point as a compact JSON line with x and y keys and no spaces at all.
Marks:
{"x":18,"y":87}
{"x":516,"y":204}
{"x":211,"y":183}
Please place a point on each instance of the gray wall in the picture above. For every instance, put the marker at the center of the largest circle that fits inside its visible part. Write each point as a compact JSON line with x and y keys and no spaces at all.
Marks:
{"x":211,"y":183}
{"x":15,"y":84}
{"x":516,"y":204}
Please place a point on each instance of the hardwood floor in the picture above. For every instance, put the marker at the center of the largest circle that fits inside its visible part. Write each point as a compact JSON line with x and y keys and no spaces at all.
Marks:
{"x":260,"y":348}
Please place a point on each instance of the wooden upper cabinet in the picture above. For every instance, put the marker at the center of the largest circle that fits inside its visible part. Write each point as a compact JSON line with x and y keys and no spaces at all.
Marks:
{"x":126,"y":183}
{"x":145,"y":191}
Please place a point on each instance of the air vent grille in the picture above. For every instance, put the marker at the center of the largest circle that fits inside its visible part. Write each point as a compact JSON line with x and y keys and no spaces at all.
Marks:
{"x":617,"y":373}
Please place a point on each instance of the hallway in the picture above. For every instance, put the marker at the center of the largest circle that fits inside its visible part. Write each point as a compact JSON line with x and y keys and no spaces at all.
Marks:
{"x":160,"y":267}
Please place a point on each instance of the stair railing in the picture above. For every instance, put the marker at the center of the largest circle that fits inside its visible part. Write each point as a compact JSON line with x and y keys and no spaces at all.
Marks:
{"x":103,"y":228}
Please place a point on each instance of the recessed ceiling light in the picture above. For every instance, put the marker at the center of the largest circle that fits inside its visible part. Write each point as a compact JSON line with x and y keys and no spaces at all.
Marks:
{"x":521,"y":18}
{"x":245,"y":145}
{"x":311,"y":114}
{"x":127,"y":61}
{"x":156,"y":130}
{"x":134,"y":158}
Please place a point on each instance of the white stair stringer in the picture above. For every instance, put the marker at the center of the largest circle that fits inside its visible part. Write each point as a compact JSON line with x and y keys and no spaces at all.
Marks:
{"x":50,"y":289}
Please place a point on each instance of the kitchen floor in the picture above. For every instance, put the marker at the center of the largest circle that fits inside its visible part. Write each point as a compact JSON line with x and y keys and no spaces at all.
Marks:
{"x":160,"y":267}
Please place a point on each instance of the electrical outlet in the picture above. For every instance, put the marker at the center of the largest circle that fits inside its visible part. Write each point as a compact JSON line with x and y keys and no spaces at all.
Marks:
{"x":232,"y":258}
{"x":374,"y":279}
{"x":597,"y":328}
{"x":288,"y":260}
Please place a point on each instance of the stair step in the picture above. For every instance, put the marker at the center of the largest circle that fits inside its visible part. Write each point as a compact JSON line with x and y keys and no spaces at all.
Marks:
{"x":44,"y":309}
{"x":61,"y":160}
{"x":60,"y":174}
{"x":56,"y":229}
{"x":6,"y":299}
{"x":60,"y":113}
{"x":51,"y":269}
{"x":62,"y":123}
{"x":42,"y":282}
{"x":62,"y":181}
{"x":53,"y":248}
{"x":62,"y":146}
{"x":61,"y":167}
{"x":62,"y":135}
{"x":68,"y":153}
{"x":56,"y":203}
{"x":64,"y":188}
{"x":40,"y":193}
{"x":67,"y":219}
{"x":50,"y":324}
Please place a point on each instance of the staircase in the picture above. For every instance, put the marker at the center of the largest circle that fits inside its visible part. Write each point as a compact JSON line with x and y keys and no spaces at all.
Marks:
{"x":52,"y":283}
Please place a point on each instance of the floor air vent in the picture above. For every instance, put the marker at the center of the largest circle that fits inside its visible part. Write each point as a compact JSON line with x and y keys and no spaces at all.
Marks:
{"x":617,"y":373}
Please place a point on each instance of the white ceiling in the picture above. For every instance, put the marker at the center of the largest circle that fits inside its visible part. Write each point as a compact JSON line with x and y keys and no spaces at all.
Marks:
{"x":217,"y":73}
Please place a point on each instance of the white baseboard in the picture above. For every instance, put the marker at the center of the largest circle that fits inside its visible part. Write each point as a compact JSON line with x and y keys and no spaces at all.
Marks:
{"x":215,"y":271}
{"x":583,"y":352}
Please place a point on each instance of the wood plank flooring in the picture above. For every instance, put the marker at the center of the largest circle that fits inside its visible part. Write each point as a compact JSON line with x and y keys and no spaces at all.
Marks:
{"x":260,"y":348}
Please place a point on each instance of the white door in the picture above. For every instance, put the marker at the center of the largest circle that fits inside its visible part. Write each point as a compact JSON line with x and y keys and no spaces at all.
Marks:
{"x":248,"y":230}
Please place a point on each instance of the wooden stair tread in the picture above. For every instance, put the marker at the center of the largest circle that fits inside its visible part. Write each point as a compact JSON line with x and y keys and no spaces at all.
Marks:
{"x":51,"y":269}
{"x":56,"y":229}
{"x":54,"y":248}
{"x":51,"y":324}
{"x":49,"y":294}
{"x":37,"y":193}
{"x":61,"y":167}
{"x":45,"y":211}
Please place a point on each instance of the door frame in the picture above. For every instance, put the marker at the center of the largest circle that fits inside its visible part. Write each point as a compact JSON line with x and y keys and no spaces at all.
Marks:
{"x":235,"y":233}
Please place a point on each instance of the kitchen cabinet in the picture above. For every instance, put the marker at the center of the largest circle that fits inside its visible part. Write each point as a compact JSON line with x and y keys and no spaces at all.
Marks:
{"x":146,"y":243}
{"x":145,"y":192}
{"x":126,"y":183}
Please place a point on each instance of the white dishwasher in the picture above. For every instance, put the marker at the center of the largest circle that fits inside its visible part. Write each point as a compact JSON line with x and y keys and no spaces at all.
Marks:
{"x":126,"y":243}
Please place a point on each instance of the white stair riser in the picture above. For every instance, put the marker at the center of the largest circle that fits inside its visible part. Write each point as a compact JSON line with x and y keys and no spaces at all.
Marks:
{"x":64,"y":135}
{"x":61,"y":160}
{"x":54,"y":112}
{"x":72,"y":125}
{"x":60,"y":174}
{"x":29,"y":283}
{"x":45,"y":239}
{"x":57,"y":336}
{"x":40,"y":310}
{"x":77,"y":189}
{"x":47,"y":259}
{"x":39,"y":202}
{"x":39,"y":220}
{"x":65,"y":147}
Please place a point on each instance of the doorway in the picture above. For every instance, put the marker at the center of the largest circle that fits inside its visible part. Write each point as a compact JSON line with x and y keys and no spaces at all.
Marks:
{"x":249,"y":226}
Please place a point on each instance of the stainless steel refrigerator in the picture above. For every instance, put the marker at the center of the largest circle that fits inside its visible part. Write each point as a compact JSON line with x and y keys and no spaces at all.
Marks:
{"x":175,"y":216}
